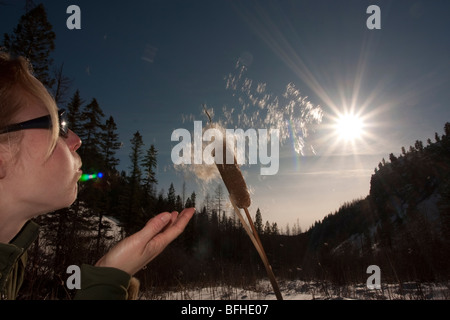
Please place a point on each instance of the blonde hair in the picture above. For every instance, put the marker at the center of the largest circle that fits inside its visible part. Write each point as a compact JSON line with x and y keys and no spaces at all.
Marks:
{"x":17,"y":85}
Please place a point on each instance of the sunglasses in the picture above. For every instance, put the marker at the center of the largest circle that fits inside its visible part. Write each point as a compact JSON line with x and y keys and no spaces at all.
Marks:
{"x":44,"y":122}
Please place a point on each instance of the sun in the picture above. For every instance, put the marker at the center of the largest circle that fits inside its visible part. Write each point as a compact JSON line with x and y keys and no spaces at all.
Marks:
{"x":349,"y":127}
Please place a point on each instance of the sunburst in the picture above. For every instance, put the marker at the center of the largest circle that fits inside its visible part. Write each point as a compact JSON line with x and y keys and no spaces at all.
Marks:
{"x":349,"y":127}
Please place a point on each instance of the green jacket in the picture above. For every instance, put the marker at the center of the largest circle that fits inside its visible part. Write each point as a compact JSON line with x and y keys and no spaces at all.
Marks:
{"x":97,"y":283}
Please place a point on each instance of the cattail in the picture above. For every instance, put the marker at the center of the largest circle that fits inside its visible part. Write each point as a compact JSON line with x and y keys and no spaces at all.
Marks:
{"x":240,"y":199}
{"x":234,"y":181}
{"x":231,"y":174}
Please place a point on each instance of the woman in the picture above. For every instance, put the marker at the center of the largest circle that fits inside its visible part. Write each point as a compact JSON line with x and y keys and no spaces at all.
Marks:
{"x":39,"y":171}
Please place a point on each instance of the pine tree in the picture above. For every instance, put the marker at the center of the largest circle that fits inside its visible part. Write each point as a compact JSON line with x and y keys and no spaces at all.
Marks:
{"x":274,"y":229}
{"x":178,"y":204}
{"x":447,"y":130}
{"x":298,"y":228}
{"x":258,"y":222}
{"x":29,"y":5}
{"x":418,"y":145}
{"x":110,"y":144}
{"x":436,"y":137}
{"x":134,"y":218}
{"x":171,"y":198}
{"x":150,"y":164}
{"x":218,"y":193}
{"x":207,"y":203}
{"x":392,"y":158}
{"x":92,"y":137}
{"x":92,"y":116}
{"x":380,"y":166}
{"x":193,"y":199}
{"x":74,"y":113}
{"x":267,"y":228}
{"x":136,"y":157}
{"x":62,"y":85}
{"x":34,"y":39}
{"x":188,"y":203}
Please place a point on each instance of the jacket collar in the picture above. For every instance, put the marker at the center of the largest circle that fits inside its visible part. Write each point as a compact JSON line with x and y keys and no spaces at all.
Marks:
{"x":11,"y":252}
{"x":26,"y":236}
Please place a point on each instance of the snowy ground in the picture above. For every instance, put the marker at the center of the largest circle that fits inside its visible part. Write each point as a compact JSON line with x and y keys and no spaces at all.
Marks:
{"x":300,"y":290}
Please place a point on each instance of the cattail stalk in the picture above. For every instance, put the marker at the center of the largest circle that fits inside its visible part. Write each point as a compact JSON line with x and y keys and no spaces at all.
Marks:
{"x":240,"y":199}
{"x":259,"y":247}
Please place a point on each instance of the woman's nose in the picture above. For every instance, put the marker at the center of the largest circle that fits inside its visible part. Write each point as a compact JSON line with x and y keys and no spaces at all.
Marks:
{"x":73,"y":141}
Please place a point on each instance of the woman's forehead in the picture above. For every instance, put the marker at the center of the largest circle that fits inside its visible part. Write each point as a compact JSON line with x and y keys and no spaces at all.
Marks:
{"x":32,"y":107}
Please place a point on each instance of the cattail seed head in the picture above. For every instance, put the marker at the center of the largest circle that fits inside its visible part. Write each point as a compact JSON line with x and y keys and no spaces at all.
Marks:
{"x":234,"y":181}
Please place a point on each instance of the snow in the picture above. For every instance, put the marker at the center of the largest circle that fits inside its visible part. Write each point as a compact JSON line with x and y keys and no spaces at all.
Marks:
{"x":115,"y":231}
{"x":311,"y":290}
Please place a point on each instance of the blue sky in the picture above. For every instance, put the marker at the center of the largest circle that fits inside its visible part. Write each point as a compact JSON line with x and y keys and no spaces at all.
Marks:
{"x":152,"y":64}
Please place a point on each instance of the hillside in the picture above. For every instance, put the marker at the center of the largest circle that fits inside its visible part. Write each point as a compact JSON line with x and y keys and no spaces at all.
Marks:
{"x":403,"y":225}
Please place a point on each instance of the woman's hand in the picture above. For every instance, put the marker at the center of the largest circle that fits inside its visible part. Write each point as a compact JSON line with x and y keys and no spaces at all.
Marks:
{"x":136,"y":251}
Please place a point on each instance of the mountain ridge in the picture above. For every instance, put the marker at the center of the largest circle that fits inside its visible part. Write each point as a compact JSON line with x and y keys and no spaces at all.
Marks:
{"x":404,"y":222}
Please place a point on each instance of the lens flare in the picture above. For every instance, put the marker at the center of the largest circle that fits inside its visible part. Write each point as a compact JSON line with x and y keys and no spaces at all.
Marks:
{"x":91,"y":176}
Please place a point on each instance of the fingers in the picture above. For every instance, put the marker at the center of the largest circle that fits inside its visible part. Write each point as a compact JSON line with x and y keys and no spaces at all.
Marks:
{"x":173,"y":218}
{"x":171,"y":232}
{"x":171,"y":224}
{"x":178,"y":226}
{"x":184,"y":218}
{"x":156,"y":225}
